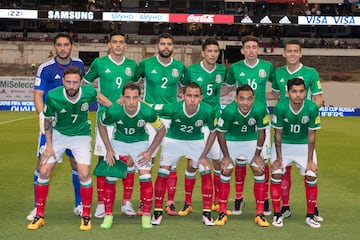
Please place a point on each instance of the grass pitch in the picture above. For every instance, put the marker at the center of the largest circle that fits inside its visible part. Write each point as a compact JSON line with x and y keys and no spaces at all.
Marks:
{"x":339,"y":195}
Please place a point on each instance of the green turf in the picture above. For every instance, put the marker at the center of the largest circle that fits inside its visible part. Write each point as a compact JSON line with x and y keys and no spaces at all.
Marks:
{"x":339,"y":195}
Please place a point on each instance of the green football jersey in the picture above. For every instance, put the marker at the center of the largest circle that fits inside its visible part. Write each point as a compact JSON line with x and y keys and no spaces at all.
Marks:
{"x":256,"y":76}
{"x":112,"y":77}
{"x":129,"y":129}
{"x":295,"y":126}
{"x":210,"y":82}
{"x":240,"y":127}
{"x":71,"y":117}
{"x":184,"y":126}
{"x":160,"y":81}
{"x":309,"y":75}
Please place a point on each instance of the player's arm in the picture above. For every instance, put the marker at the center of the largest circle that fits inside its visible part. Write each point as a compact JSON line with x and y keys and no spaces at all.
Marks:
{"x":105,"y":138}
{"x":203,"y":159}
{"x":103,"y":100}
{"x":145,"y":157}
{"x":318,"y":99}
{"x":273,"y":95}
{"x":259,"y":146}
{"x":278,"y":163}
{"x":311,"y":165}
{"x":48,"y":151}
{"x":39,"y":106}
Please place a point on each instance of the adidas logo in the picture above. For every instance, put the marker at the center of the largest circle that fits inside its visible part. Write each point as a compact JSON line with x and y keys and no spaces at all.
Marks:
{"x":246,"y":19}
{"x":119,"y":122}
{"x":236,"y":123}
{"x":285,"y":20}
{"x":107,"y":71}
{"x":154,"y":71}
{"x":57,"y":76}
{"x":199,"y":79}
{"x":242,"y":74}
{"x":63,"y":110}
{"x":177,"y":120}
{"x":266,"y":19}
{"x":282,"y":80}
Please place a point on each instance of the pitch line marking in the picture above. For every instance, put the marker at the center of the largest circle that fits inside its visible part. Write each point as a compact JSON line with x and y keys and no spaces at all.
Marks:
{"x":16,"y":120}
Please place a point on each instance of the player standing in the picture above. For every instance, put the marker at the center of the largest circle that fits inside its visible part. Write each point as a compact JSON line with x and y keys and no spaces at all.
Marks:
{"x":209,"y":75}
{"x":113,"y":72}
{"x":161,"y":75}
{"x":49,"y":76}
{"x":294,"y":68}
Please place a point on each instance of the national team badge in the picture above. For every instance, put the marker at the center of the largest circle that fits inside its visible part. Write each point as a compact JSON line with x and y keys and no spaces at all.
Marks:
{"x":199,"y":123}
{"x":128,"y":71}
{"x":140,"y":123}
{"x":304,"y":119}
{"x":262,"y":73}
{"x":84,"y":107}
{"x":220,"y":122}
{"x":175,"y":73}
{"x":218,"y":78}
{"x":251,"y":122}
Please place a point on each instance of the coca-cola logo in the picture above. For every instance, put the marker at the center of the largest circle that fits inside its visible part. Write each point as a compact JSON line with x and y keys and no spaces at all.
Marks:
{"x":201,"y":18}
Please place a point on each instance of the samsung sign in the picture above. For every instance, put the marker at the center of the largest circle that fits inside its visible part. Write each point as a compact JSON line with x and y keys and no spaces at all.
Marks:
{"x":70,"y":15}
{"x":135,"y":17}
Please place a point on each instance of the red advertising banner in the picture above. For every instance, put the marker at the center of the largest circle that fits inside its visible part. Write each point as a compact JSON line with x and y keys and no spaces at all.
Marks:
{"x":201,"y":18}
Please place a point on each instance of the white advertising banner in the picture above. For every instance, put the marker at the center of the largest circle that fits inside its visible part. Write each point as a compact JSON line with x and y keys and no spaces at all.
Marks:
{"x":17,"y":93}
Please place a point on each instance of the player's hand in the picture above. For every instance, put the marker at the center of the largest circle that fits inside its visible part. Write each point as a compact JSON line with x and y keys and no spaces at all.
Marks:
{"x":204,"y":161}
{"x":259,"y":161}
{"x":277,"y":164}
{"x":224,"y":164}
{"x":110,"y":157}
{"x":46,"y":154}
{"x":120,"y":101}
{"x":311,"y":165}
{"x":144,"y":158}
{"x":41,"y":122}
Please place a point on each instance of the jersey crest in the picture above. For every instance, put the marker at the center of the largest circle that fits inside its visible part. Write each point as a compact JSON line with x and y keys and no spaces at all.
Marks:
{"x":251,"y":122}
{"x":199,"y":123}
{"x":128,"y":71}
{"x":305,"y":119}
{"x":84,"y":107}
{"x":262,"y":73}
{"x":175,"y":72}
{"x":141,"y":123}
{"x":218,"y":78}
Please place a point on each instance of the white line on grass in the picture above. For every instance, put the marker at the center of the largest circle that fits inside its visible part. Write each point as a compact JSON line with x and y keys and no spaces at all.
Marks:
{"x":16,"y":120}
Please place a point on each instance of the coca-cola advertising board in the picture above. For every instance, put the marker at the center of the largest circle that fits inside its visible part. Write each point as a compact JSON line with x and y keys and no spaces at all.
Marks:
{"x":201,"y":18}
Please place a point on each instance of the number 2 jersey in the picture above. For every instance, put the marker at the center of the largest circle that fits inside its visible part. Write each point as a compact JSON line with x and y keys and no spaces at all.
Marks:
{"x":71,"y":117}
{"x":184,"y":126}
{"x":295,"y":125}
{"x":160,"y":81}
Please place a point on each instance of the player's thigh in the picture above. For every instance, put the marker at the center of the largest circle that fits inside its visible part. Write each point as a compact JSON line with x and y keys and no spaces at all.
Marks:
{"x":242,"y":151}
{"x":81,"y":149}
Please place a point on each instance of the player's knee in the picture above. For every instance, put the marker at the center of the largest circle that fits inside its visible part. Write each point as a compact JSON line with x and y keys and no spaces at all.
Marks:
{"x":277,"y":174}
{"x":257,"y":171}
